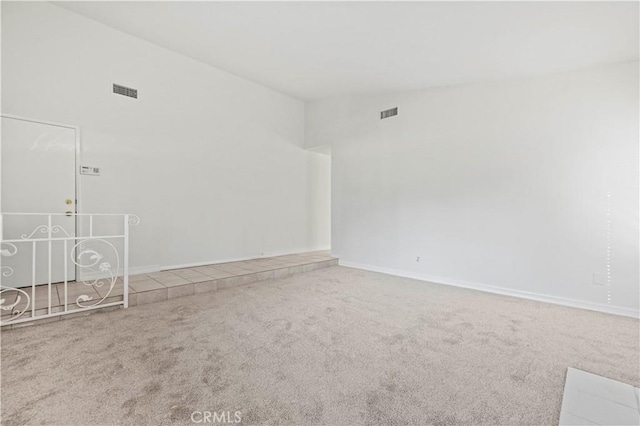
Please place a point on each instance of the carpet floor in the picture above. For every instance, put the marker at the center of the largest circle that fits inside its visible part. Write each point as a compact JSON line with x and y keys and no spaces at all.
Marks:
{"x":337,"y":346}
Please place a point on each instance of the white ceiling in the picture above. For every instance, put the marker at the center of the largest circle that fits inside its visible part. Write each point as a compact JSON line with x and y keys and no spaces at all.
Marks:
{"x":314,"y":50}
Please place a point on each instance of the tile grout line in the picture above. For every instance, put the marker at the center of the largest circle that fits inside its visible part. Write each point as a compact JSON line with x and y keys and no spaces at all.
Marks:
{"x":236,"y":279}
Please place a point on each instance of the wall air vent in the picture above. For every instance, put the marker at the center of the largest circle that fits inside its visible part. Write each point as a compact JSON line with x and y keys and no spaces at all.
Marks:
{"x":388,"y":113}
{"x":126,"y":91}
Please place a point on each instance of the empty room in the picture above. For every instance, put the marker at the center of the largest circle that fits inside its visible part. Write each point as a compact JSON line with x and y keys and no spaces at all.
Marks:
{"x":319,"y":213}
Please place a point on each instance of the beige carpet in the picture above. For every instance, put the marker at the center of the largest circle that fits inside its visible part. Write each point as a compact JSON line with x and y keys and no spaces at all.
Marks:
{"x":336,"y":346}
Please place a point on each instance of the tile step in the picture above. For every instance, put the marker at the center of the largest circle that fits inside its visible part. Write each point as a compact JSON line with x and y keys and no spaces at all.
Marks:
{"x":171,"y":291}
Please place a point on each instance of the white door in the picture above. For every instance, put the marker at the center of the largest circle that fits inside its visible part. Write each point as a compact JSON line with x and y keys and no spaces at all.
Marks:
{"x":38,"y":176}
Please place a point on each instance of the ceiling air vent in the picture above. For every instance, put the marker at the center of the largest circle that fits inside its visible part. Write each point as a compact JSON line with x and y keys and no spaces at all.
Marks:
{"x":388,"y":113}
{"x":126,"y":91}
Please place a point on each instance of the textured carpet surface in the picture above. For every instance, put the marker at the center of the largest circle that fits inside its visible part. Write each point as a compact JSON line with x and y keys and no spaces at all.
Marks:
{"x":337,"y":346}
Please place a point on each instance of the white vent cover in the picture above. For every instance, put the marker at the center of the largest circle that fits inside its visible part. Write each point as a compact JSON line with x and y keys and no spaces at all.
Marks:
{"x":126,"y":91}
{"x":388,"y":113}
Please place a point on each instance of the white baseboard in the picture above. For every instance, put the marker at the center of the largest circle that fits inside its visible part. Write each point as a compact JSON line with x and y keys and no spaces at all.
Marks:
{"x":137,"y":270}
{"x":132,"y":271}
{"x":157,"y":268}
{"x":581,"y":304}
{"x":240,"y":259}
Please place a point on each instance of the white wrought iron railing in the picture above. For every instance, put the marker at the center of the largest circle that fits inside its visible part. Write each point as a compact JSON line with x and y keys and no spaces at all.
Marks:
{"x":55,"y":264}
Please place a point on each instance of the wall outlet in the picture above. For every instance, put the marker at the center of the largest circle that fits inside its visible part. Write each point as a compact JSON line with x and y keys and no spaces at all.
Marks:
{"x":418,"y":259}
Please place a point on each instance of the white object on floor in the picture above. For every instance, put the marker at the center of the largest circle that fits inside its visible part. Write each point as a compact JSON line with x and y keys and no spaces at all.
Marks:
{"x":590,"y":399}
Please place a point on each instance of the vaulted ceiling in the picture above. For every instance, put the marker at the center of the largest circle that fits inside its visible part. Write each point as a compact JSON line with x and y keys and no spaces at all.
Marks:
{"x":314,"y":50}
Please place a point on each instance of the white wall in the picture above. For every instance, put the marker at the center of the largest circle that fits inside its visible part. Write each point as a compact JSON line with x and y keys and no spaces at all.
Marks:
{"x":213,"y":164}
{"x":500,"y":186}
{"x":319,"y":194}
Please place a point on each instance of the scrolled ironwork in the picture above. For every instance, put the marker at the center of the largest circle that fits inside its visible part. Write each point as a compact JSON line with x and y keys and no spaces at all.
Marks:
{"x":8,"y":252}
{"x":90,"y":260}
{"x":20,"y":293}
{"x":134,"y":220}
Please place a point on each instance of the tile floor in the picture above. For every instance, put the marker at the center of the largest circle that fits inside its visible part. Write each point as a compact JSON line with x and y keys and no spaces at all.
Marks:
{"x":590,"y":399}
{"x":159,"y":286}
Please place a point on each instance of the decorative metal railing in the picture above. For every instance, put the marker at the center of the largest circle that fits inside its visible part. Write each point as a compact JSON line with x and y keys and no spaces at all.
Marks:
{"x":47,"y":271}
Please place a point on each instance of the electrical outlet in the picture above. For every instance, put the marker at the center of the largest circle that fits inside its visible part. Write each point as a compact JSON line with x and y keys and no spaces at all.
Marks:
{"x":418,"y":259}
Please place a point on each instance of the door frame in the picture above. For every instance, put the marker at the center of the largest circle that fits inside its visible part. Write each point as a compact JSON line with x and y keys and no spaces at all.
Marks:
{"x":76,"y":162}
